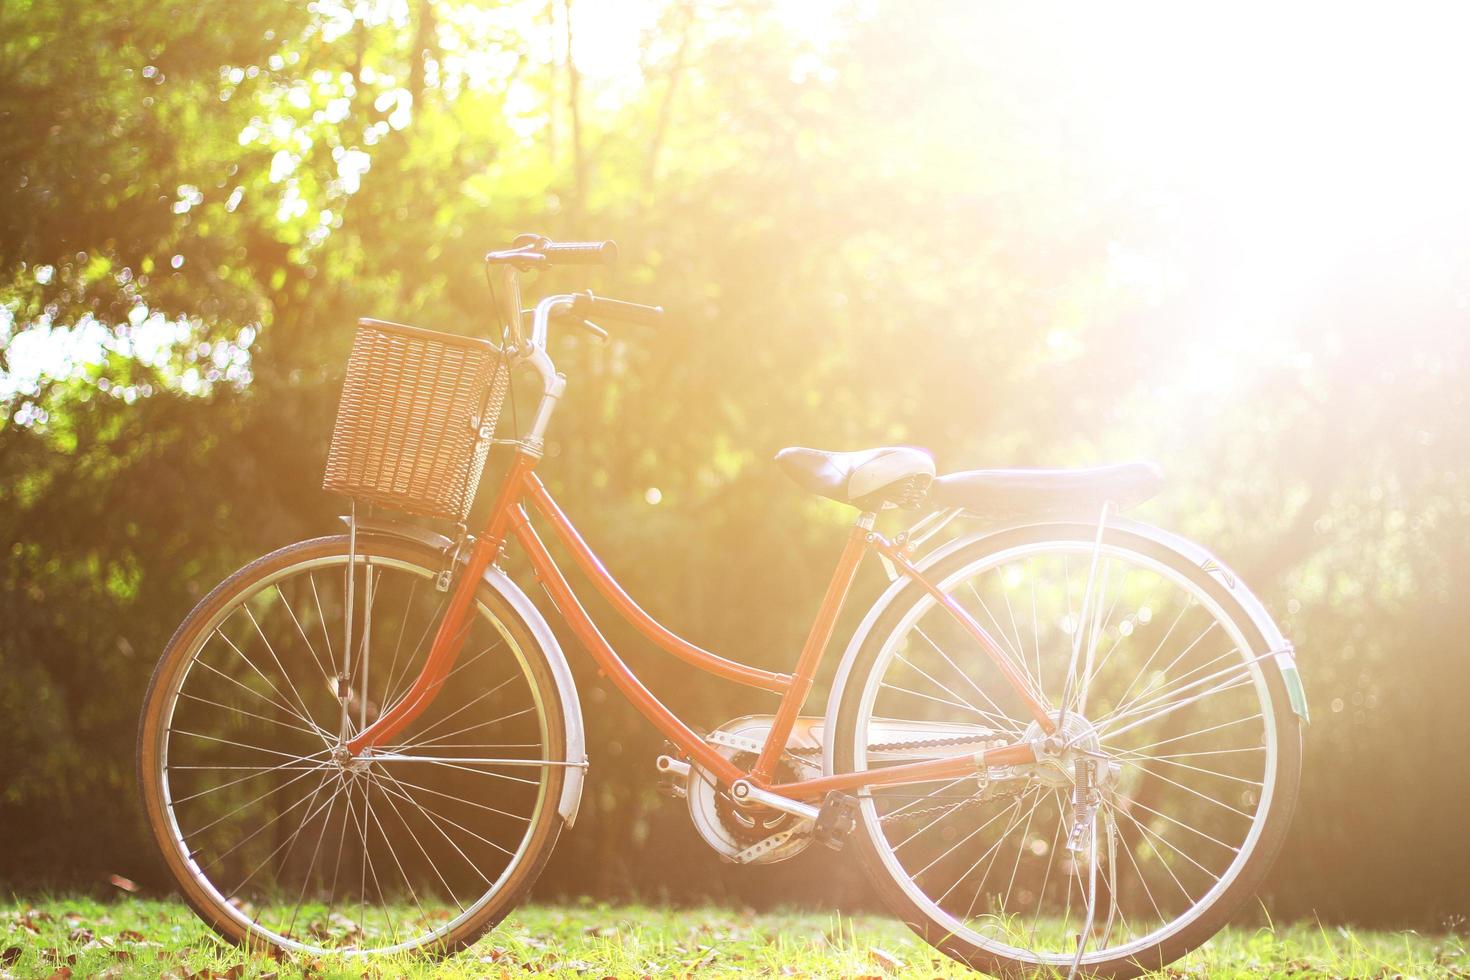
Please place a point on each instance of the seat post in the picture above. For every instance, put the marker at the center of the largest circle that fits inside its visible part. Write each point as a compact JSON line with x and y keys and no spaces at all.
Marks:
{"x":816,"y":644}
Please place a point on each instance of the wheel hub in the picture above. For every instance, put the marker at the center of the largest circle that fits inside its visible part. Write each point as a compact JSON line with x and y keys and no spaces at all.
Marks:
{"x":1076,"y":739}
{"x":347,"y":762}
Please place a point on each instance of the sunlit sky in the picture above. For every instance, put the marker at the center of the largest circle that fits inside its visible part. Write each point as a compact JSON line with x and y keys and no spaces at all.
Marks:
{"x":1288,"y":134}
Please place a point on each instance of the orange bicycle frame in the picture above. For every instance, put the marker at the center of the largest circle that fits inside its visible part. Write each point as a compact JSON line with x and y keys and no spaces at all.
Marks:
{"x":508,"y":518}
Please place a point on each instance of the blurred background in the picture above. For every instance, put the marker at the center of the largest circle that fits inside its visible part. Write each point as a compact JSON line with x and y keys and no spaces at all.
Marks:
{"x":1229,"y":238}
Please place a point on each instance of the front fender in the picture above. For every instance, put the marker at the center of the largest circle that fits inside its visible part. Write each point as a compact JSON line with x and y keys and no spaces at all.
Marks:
{"x":1186,"y":549}
{"x":566,"y":688}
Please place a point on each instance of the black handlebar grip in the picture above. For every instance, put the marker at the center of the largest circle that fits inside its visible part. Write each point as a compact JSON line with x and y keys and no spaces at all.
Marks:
{"x":581,"y":253}
{"x":589,"y":305}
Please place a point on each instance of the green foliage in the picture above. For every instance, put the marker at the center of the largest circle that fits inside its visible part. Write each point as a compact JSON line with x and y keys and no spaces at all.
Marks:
{"x":888,"y":229}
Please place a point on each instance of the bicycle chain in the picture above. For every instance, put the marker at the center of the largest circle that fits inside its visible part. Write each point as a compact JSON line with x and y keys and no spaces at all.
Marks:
{"x":927,"y":743}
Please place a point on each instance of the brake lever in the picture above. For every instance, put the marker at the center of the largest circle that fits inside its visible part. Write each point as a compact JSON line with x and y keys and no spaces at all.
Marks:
{"x":524,"y":259}
{"x":592,"y":328}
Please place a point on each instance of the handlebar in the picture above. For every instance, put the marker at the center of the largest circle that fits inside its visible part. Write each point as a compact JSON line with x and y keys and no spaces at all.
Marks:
{"x":532,"y":250}
{"x":581,"y":253}
{"x":585,"y":304}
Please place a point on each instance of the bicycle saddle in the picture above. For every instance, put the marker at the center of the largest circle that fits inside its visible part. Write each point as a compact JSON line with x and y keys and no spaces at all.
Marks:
{"x":869,"y":478}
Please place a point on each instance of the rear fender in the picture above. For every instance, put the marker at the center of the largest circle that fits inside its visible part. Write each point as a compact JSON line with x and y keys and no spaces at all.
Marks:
{"x":1188,"y":550}
{"x":566,"y":689}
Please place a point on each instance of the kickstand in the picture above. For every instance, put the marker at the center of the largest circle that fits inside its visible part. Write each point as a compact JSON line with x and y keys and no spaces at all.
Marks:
{"x":1091,"y":905}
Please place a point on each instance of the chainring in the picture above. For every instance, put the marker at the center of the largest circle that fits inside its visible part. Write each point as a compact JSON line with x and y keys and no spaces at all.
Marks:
{"x":752,"y":823}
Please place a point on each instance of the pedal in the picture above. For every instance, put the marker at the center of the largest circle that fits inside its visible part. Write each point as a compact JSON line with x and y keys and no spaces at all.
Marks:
{"x":835,"y":820}
{"x":673,"y":776}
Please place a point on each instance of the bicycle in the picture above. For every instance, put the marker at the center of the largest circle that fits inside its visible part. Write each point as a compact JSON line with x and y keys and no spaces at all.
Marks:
{"x":1067,"y":742}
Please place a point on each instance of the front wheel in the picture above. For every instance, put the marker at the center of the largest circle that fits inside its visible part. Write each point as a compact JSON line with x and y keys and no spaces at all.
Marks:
{"x":275,"y":836}
{"x":1174,"y":702}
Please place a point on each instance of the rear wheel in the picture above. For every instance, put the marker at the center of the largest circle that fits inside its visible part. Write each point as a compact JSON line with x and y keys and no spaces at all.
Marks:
{"x":272,"y":834}
{"x":1184,"y":716}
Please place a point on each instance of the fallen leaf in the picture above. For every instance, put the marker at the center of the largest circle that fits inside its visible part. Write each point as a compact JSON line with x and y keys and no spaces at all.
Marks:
{"x":126,"y":884}
{"x":885,"y":959}
{"x":11,"y":955}
{"x":62,"y":974}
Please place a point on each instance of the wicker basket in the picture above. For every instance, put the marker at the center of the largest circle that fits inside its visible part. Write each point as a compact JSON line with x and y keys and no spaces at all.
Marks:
{"x":417,"y":412}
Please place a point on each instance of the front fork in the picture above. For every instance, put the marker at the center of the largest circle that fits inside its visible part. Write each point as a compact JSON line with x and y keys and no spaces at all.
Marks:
{"x":453,"y":628}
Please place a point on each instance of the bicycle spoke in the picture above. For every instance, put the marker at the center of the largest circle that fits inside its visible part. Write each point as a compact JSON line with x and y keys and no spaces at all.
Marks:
{"x":1225,"y":686}
{"x":434,"y":821}
{"x":299,"y":629}
{"x":399,"y":781}
{"x":453,"y":823}
{"x":254,"y":748}
{"x":322,"y":619}
{"x":1142,"y":880}
{"x":315,"y":852}
{"x":290,"y":842}
{"x":220,"y":633}
{"x":388,"y":795}
{"x":258,"y":771}
{"x":265,"y":826}
{"x":242,"y":711}
{"x":463,"y":663}
{"x":389,"y":687}
{"x":393,"y":853}
{"x":305,"y":713}
{"x":922,"y":673}
{"x":999,"y":714}
{"x":463,"y":708}
{"x":1013,"y":820}
{"x":1179,"y":823}
{"x":918,"y":874}
{"x":1209,"y":772}
{"x":1012,"y":655}
{"x":1202,"y":731}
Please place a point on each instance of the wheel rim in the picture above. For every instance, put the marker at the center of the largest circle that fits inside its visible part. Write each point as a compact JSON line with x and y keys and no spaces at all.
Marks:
{"x":1000,"y":932}
{"x":437,"y":841}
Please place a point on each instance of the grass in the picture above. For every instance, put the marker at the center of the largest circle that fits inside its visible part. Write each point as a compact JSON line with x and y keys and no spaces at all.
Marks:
{"x":135,"y":938}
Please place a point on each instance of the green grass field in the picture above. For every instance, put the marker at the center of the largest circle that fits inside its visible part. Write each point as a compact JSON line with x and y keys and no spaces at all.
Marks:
{"x":132,"y":938}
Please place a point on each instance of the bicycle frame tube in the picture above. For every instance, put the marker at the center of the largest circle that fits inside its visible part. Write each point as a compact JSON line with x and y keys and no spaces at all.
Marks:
{"x":508,"y":517}
{"x":593,"y":568}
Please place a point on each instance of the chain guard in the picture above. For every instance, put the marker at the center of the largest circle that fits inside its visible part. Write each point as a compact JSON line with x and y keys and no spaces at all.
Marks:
{"x":738,"y":834}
